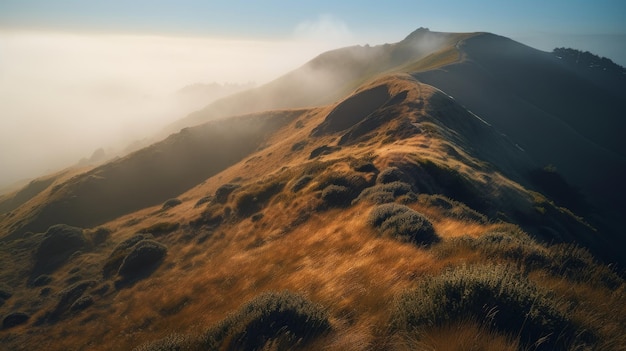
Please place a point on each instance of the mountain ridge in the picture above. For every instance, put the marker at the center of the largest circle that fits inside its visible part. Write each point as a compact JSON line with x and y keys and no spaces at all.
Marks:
{"x":398,"y":216}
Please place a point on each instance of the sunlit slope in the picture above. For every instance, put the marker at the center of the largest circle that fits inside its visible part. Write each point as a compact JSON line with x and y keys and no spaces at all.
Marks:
{"x":348,"y":225}
{"x":336,"y":73}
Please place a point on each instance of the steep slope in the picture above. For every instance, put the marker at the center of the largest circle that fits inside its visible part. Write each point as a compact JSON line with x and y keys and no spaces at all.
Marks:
{"x":559,"y":114}
{"x":345,"y":231}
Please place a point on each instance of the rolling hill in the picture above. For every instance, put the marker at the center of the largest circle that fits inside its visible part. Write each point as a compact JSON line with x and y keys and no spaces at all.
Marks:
{"x":402,"y":204}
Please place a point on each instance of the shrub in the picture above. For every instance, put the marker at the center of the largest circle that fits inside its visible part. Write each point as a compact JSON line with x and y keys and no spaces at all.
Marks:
{"x":171,"y":203}
{"x":271,"y":321}
{"x":42,"y":280}
{"x":160,"y":228}
{"x":323,"y":150}
{"x":5,"y":292}
{"x":392,"y":174}
{"x":577,"y":264}
{"x":203,"y":200}
{"x":282,"y":318}
{"x":452,"y":208}
{"x":100,"y":235}
{"x":365,"y":167}
{"x":82,"y":303}
{"x":301,"y":183}
{"x":336,"y":196}
{"x":298,"y":146}
{"x":387,"y":192}
{"x":143,"y":257}
{"x":222,"y":193}
{"x":14,"y":319}
{"x":497,"y":296}
{"x":115,"y":259}
{"x":59,"y":243}
{"x":254,"y":199}
{"x":69,"y":296}
{"x":402,"y":222}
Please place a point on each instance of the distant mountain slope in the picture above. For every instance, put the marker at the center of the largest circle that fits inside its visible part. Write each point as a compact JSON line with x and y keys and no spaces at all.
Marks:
{"x":331,"y":76}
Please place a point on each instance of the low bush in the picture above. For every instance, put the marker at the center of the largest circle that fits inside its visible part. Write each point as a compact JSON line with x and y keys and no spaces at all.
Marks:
{"x":143,"y":257}
{"x":171,"y":203}
{"x":336,"y":196}
{"x":115,"y":259}
{"x":253,"y":200}
{"x":68,"y":297}
{"x":100,"y":235}
{"x":301,"y":183}
{"x":298,"y":146}
{"x":222,"y":193}
{"x":496,"y":296}
{"x":203,"y":200}
{"x":388,"y":192}
{"x":42,"y":280}
{"x":5,"y":292}
{"x":160,"y":228}
{"x":282,"y":318}
{"x":399,"y":221}
{"x":59,"y":243}
{"x":392,"y":174}
{"x":82,"y":303}
{"x":271,"y":321}
{"x":578,"y":264}
{"x":14,"y":319}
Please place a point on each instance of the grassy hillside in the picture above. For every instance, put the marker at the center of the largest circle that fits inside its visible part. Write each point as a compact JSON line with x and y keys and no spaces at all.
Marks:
{"x":394,"y":219}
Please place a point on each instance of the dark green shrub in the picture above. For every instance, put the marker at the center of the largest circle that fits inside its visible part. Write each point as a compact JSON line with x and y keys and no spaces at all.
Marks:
{"x":387,"y":192}
{"x":282,"y":318}
{"x":578,"y":264}
{"x":222,"y":193}
{"x":143,"y":257}
{"x":59,"y":243}
{"x":452,"y":208}
{"x":82,"y":303}
{"x":14,"y":319}
{"x":365,"y":167}
{"x":301,"y":183}
{"x":115,"y":259}
{"x":298,"y":146}
{"x":160,"y":228}
{"x":497,"y":296}
{"x":42,"y":280}
{"x":203,"y":200}
{"x":5,"y":292}
{"x":68,"y":297}
{"x":271,"y":321}
{"x":399,"y":221}
{"x":171,"y":203}
{"x":392,"y":174}
{"x":100,"y":235}
{"x":253,"y":200}
{"x":336,"y":196}
{"x":323,"y":150}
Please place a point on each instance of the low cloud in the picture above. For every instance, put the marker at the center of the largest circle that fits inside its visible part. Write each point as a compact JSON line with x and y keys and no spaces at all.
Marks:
{"x":64,"y":95}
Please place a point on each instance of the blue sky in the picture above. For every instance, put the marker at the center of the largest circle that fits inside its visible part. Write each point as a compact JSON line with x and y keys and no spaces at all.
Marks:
{"x":278,"y":18}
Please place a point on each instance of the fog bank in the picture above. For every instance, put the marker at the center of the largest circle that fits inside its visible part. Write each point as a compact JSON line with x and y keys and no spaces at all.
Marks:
{"x":65,"y":95}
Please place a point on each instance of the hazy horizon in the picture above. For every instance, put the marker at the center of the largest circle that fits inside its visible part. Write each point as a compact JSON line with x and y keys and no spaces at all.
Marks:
{"x":76,"y":76}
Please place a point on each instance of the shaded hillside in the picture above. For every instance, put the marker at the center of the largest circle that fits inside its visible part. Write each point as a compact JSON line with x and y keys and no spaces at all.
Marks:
{"x":558,"y":116}
{"x":149,"y":176}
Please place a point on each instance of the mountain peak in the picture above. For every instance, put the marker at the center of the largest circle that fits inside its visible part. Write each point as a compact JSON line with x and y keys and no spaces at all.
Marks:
{"x":419,"y":32}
